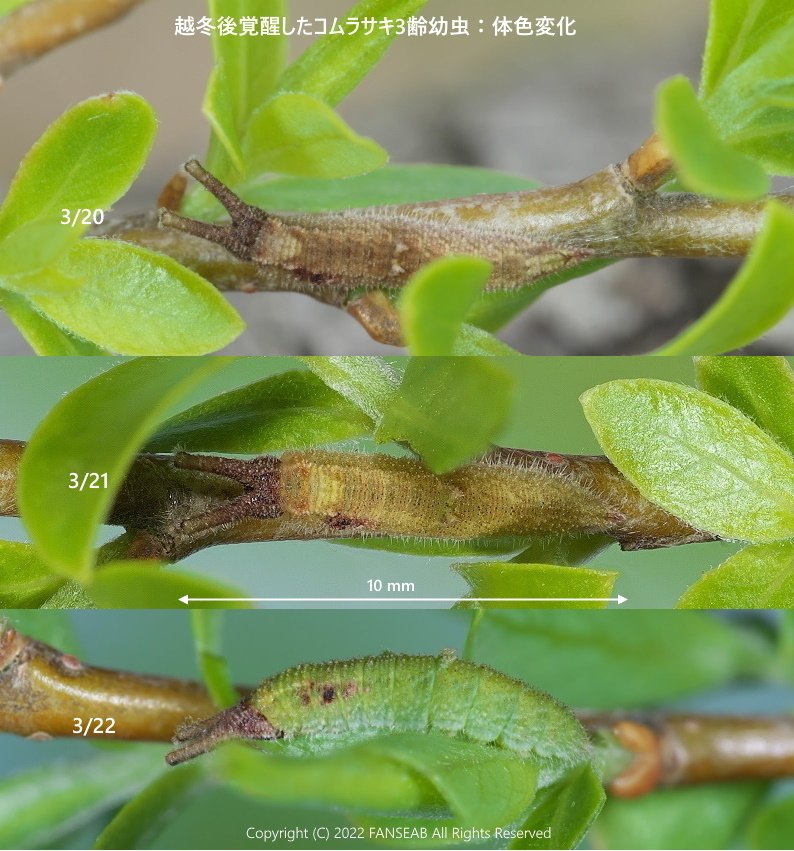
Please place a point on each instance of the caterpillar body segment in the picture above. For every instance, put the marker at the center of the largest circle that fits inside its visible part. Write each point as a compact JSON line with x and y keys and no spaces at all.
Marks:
{"x":389,"y":693}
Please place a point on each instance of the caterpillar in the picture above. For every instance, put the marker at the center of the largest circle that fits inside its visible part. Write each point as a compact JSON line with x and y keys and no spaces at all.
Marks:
{"x":506,"y":493}
{"x":392,"y":692}
{"x":378,"y":247}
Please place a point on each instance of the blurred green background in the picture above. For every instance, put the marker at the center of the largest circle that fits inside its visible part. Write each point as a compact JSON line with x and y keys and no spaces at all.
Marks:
{"x":546,"y":415}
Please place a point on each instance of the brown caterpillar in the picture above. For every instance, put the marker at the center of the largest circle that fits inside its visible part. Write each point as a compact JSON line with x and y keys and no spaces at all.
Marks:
{"x":376,"y":247}
{"x":507,"y":493}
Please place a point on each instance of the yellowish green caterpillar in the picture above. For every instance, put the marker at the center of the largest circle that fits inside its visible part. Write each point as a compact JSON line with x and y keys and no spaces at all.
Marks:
{"x":393,"y":693}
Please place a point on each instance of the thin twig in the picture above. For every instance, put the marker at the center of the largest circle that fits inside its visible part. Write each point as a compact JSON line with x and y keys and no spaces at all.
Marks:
{"x":42,"y":25}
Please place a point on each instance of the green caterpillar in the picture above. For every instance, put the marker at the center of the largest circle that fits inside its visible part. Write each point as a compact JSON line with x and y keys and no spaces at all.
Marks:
{"x":373,"y":695}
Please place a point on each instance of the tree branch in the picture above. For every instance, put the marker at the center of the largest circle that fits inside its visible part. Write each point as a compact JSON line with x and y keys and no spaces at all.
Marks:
{"x":527,"y":236}
{"x":42,"y":25}
{"x":684,"y":749}
{"x":174,"y":505}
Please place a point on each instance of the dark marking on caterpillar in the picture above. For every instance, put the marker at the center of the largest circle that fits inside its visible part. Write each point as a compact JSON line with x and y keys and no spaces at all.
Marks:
{"x":398,"y":693}
{"x":377,"y":247}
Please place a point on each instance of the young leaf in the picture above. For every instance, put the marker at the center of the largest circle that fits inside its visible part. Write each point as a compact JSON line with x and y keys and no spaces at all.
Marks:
{"x":762,"y":388}
{"x":39,"y":807}
{"x":369,"y":383}
{"x":708,"y":816}
{"x":25,"y":580}
{"x":631,"y":660}
{"x":293,"y":410}
{"x":773,"y":826}
{"x":495,"y":309}
{"x":401,"y":772}
{"x":299,"y":135}
{"x":246,"y":72}
{"x":506,"y":579}
{"x":475,"y":341}
{"x":747,"y":79}
{"x":207,"y":636}
{"x":448,"y":409}
{"x":86,"y":433}
{"x":760,"y":295}
{"x":42,"y":335}
{"x":703,"y":162}
{"x":436,"y":301}
{"x":137,"y":302}
{"x":30,"y":249}
{"x":335,"y":64}
{"x":87,"y":159}
{"x":562,"y":813}
{"x":483,"y":786}
{"x":696,"y":456}
{"x":140,"y":821}
{"x":759,"y":577}
{"x":569,"y":551}
{"x":138,"y":585}
{"x":427,"y":547}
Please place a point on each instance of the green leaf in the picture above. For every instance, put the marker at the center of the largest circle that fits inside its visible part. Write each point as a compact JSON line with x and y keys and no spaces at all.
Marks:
{"x":448,"y":409}
{"x":437,"y":299}
{"x":299,"y":135}
{"x":246,"y":72}
{"x":562,"y":814}
{"x":140,"y":585}
{"x":40,"y":806}
{"x":25,"y":580}
{"x":631,"y":660}
{"x":31,"y":248}
{"x":420,"y":773}
{"x":495,"y":309}
{"x":760,"y":295}
{"x":427,"y":547}
{"x":293,"y":410}
{"x":748,"y":79}
{"x":704,"y":162}
{"x":137,"y":302}
{"x":569,"y":550}
{"x":43,"y":336}
{"x":392,"y":184}
{"x":505,"y":579}
{"x":758,"y":577}
{"x":97,"y":428}
{"x":87,"y":159}
{"x":140,"y":821}
{"x":773,"y":826}
{"x":475,"y":341}
{"x":483,"y":786}
{"x":368,"y":382}
{"x":70,"y":595}
{"x":207,"y":636}
{"x":335,"y":64}
{"x":762,"y":388}
{"x":225,"y":155}
{"x":354,"y":778}
{"x":696,"y":456}
{"x":708,"y":816}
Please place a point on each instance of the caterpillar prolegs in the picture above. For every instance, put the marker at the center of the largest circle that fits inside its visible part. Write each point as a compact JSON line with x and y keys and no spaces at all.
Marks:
{"x":373,"y":695}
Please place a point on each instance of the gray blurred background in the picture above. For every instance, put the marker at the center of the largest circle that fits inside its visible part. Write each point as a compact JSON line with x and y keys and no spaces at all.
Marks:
{"x":552,"y":108}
